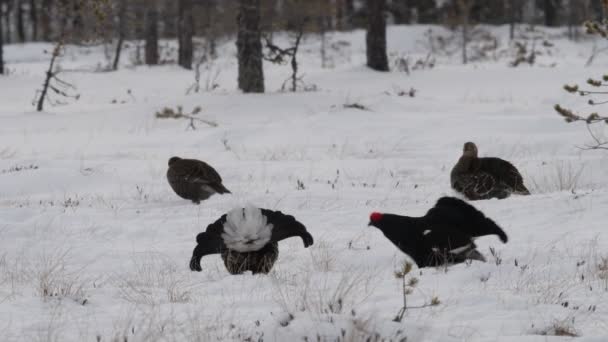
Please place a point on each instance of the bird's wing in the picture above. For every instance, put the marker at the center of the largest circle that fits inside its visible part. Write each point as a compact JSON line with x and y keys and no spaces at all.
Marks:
{"x":450,"y":211}
{"x":476,"y":186}
{"x":505,"y":172}
{"x":208,"y":242}
{"x":194,"y":171}
{"x":201,"y":172}
{"x":216,"y":228}
{"x":446,"y":238}
{"x":286,"y":226}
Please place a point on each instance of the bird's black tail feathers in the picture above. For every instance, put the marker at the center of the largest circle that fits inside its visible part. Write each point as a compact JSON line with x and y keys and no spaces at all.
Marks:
{"x":478,"y":224}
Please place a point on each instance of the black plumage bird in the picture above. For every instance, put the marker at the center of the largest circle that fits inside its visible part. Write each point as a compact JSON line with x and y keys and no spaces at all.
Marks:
{"x":443,"y":236}
{"x":194,"y":180}
{"x":247,"y":239}
{"x":484,"y":178}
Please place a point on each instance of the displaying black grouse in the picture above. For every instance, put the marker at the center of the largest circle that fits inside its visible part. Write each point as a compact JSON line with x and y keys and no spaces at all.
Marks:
{"x":443,"y":236}
{"x":485,"y":178}
{"x":194,"y":180}
{"x":247,"y":239}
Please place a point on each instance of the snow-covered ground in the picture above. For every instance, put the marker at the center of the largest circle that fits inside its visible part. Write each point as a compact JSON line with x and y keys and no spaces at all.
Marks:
{"x":94,"y":245}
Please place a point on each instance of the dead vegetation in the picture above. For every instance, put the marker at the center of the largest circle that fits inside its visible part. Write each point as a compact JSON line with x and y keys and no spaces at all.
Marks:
{"x":170,"y":113}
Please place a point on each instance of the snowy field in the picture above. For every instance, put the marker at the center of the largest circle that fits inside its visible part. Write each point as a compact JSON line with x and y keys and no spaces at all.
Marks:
{"x":94,"y":244}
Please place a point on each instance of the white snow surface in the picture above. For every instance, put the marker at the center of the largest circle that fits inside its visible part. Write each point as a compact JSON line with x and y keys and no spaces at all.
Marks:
{"x":94,"y":244}
{"x":246,"y":229}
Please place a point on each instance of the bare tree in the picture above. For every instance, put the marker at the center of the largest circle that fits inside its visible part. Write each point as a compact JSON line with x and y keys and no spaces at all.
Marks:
{"x":34,"y":19}
{"x":20,"y":21}
{"x":78,"y":28}
{"x":210,"y":27}
{"x":122,"y":32}
{"x":376,"y":35}
{"x":185,"y":31}
{"x":50,"y":74}
{"x":152,"y":34}
{"x":249,"y":46}
{"x":550,"y":8}
{"x":513,"y":8}
{"x":1,"y":38}
{"x":279,"y":55}
{"x":464,"y":7}
{"x":45,"y":20}
{"x":574,"y":18}
{"x":8,"y":8}
{"x":401,"y":12}
{"x":168,"y":14}
{"x":52,"y":82}
{"x":595,"y":89}
{"x":349,"y":13}
{"x":340,"y":10}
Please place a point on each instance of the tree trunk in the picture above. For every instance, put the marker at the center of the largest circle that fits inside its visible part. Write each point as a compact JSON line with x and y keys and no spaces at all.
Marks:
{"x":1,"y":42}
{"x":349,"y":13}
{"x":45,"y":20}
{"x":339,"y":15}
{"x":550,"y":12}
{"x":7,"y":21}
{"x":152,"y":35}
{"x":20,"y":21}
{"x":511,"y":10}
{"x":34,"y":19}
{"x":210,"y":28}
{"x":168,"y":15}
{"x":376,"y":36}
{"x":77,"y":22}
{"x":464,"y":7}
{"x":185,"y":31}
{"x":401,"y":12}
{"x":122,"y":32}
{"x":135,"y":20}
{"x":249,"y":47}
{"x":465,"y":37}
{"x":574,"y":20}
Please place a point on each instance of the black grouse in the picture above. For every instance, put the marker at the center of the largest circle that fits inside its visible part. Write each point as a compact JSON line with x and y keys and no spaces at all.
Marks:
{"x":194,"y":180}
{"x":485,"y":178}
{"x":443,"y":236}
{"x":247,"y":239}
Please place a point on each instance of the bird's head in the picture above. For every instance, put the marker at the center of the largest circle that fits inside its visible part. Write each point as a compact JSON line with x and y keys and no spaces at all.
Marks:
{"x":173,"y":160}
{"x":469,"y":149}
{"x":375,"y":219}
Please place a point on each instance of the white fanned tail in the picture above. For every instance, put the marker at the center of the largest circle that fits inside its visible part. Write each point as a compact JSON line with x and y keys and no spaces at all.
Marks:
{"x":246,"y":229}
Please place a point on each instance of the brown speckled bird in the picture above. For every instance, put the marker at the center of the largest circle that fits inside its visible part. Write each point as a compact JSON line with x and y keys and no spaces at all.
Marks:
{"x":194,"y":180}
{"x":485,"y":178}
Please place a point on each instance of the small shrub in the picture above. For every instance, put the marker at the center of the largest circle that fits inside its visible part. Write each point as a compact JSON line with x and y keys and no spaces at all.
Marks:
{"x":355,"y":105}
{"x":170,"y":113}
{"x":560,"y":328}
{"x":19,"y":168}
{"x":55,"y":279}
